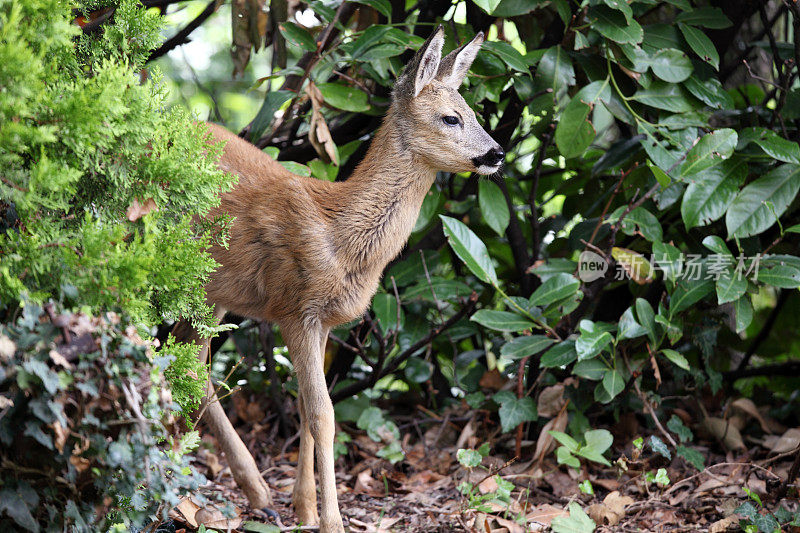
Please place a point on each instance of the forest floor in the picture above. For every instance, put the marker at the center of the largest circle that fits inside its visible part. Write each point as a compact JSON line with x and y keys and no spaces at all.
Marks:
{"x":421,"y":492}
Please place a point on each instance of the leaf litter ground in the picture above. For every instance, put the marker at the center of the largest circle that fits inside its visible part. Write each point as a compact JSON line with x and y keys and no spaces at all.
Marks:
{"x":421,"y":492}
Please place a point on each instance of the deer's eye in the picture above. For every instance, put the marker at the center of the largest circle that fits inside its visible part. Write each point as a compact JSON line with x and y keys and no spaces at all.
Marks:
{"x":450,"y":120}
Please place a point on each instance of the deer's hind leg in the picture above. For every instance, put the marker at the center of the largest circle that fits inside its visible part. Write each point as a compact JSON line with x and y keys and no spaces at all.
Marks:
{"x":305,"y":339}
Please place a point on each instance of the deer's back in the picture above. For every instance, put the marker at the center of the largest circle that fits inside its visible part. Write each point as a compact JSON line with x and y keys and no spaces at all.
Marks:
{"x":282,"y":259}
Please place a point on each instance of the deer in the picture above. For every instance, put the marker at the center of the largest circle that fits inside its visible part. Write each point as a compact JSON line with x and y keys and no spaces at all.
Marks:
{"x":308,"y":255}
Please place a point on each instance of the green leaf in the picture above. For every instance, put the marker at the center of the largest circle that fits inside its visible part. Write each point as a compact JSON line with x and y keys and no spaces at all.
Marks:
{"x":661,"y":477}
{"x":577,"y":521}
{"x":515,"y":411}
{"x":470,"y":249}
{"x":565,"y":457}
{"x":675,"y":424}
{"x":671,"y":65}
{"x":613,"y":383}
{"x":707,"y":17}
{"x":555,"y":288}
{"x":730,"y":286}
{"x":783,"y":276}
{"x":710,"y":92}
{"x":501,"y":320}
{"x":418,"y":370}
{"x":508,"y":54}
{"x":520,"y":347}
{"x":677,"y":358}
{"x":493,"y":206}
{"x":273,"y":101}
{"x":568,"y":442}
{"x":344,"y":97}
{"x":758,"y":205}
{"x":592,"y":340}
{"x":381,"y":6}
{"x":554,"y":72}
{"x":628,"y":327}
{"x":561,"y":354}
{"x":592,"y":369}
{"x":744,"y":312}
{"x":297,"y":36}
{"x":296,"y":168}
{"x":773,"y":144}
{"x":701,"y":44}
{"x":646,"y":317}
{"x":688,"y":292}
{"x":716,"y":245}
{"x":710,"y":150}
{"x":586,"y":487}
{"x":487,"y":5}
{"x":659,"y":447}
{"x":613,"y":25}
{"x":574,"y":133}
{"x":469,"y":458}
{"x":710,"y":193}
{"x":666,"y":96}
{"x":258,"y":527}
{"x":599,"y":440}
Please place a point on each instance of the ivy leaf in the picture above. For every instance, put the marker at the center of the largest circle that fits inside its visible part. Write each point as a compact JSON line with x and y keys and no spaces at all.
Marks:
{"x":614,"y":383}
{"x":470,"y":249}
{"x":515,"y":411}
{"x":493,"y":206}
{"x":577,"y":521}
{"x":469,"y":458}
{"x":758,"y":205}
{"x":659,"y":447}
{"x":17,"y":504}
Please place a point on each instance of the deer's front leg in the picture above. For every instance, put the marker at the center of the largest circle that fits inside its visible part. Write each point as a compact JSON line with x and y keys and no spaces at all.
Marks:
{"x":305,"y":341}
{"x":304,"y":497}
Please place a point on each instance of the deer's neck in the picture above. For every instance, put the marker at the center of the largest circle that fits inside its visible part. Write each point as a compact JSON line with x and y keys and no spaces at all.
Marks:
{"x":381,"y":200}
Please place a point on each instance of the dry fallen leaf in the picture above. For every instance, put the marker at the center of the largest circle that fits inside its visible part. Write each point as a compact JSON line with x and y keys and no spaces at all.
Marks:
{"x":551,"y":400}
{"x":545,"y":441}
{"x":365,"y":484}
{"x":492,"y":379}
{"x":747,"y":406}
{"x":137,"y":210}
{"x":724,"y":431}
{"x":7,"y":348}
{"x":611,"y":511}
{"x":318,"y":133}
{"x":61,"y":435}
{"x":720,"y":526}
{"x":787,"y":442}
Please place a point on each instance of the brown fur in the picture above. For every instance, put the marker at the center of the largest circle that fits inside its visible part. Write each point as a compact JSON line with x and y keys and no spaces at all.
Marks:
{"x":308,"y":254}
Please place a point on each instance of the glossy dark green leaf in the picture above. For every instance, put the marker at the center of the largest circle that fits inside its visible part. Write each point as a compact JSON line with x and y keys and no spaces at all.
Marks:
{"x":758,"y":205}
{"x":298,"y":36}
{"x":671,"y":65}
{"x":273,"y":101}
{"x":730,"y":287}
{"x":344,"y":97}
{"x":561,"y":354}
{"x":508,"y":54}
{"x":554,"y":289}
{"x":470,"y":249}
{"x":710,"y":150}
{"x":701,"y":44}
{"x":487,"y":5}
{"x":706,"y":17}
{"x":418,"y":370}
{"x":493,"y":206}
{"x":689,"y":292}
{"x":710,"y":193}
{"x":502,"y":320}
{"x":613,"y":25}
{"x":710,"y":92}
{"x":743,"y":309}
{"x":555,"y":72}
{"x":666,"y":96}
{"x":784,"y":276}
{"x":384,"y":7}
{"x":520,"y":347}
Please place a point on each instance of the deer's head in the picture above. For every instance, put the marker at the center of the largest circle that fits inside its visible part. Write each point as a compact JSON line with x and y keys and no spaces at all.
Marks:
{"x":433,"y":119}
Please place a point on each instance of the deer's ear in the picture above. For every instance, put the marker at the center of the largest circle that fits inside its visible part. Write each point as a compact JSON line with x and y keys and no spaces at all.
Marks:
{"x":426,"y":63}
{"x":455,"y":65}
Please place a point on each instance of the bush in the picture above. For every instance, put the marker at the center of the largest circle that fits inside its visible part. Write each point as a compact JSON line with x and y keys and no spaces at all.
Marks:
{"x":101,"y":192}
{"x":82,"y":425}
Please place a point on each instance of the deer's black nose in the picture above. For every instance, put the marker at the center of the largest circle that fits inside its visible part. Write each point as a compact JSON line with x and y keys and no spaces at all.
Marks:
{"x":491,"y":158}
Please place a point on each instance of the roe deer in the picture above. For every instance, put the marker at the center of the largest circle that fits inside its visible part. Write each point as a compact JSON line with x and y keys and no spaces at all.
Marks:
{"x":308,"y":254}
